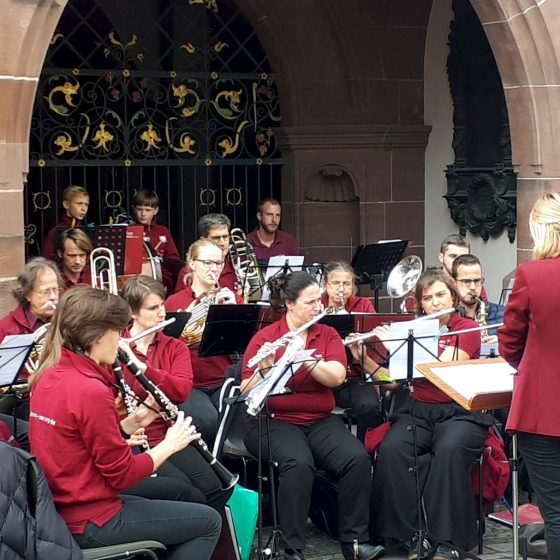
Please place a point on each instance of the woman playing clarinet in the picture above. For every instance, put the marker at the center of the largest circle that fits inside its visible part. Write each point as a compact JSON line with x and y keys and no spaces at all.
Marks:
{"x":304,"y":435}
{"x":77,"y":436}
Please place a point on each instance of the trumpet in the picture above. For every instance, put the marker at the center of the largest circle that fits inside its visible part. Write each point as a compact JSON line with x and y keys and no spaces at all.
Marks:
{"x":283,"y":340}
{"x":103,"y":270}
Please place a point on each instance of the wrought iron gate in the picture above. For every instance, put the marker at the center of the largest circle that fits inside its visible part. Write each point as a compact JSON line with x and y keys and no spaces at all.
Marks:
{"x":171,"y":95}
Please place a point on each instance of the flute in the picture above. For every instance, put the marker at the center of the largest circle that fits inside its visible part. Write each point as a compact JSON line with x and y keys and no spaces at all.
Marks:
{"x":283,"y":340}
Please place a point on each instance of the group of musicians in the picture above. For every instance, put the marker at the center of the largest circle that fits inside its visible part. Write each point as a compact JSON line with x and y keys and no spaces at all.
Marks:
{"x":99,"y":437}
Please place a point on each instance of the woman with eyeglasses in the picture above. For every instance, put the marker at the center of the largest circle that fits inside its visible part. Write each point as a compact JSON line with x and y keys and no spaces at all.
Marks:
{"x":205,"y":260}
{"x":357,"y":392}
{"x":304,"y":435}
{"x":448,"y":440}
{"x":529,"y":342}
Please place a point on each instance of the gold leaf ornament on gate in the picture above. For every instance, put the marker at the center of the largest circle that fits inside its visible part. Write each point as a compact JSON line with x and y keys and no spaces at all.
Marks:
{"x":102,"y":137}
{"x":226,"y":143}
{"x":181,"y":92}
{"x":64,"y":143}
{"x":68,"y":91}
{"x":229,"y":111}
{"x":151,"y":137}
{"x":186,"y":144}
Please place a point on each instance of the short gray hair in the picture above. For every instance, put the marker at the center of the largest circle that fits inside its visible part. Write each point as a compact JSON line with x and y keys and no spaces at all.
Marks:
{"x":209,"y":221}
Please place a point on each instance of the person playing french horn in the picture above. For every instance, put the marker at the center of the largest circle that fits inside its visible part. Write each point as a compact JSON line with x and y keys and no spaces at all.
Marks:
{"x":205,"y":260}
{"x":304,"y":435}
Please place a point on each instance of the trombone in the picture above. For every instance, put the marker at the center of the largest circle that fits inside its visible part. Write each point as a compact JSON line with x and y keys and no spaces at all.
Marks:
{"x":103,"y":270}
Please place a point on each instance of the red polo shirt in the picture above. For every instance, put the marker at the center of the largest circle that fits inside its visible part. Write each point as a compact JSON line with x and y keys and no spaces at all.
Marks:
{"x":207,"y":372}
{"x":48,"y":243}
{"x":170,"y":369}
{"x":283,"y":244}
{"x":310,"y":401}
{"x":74,"y":433}
{"x":85,"y":278}
{"x":19,"y":321}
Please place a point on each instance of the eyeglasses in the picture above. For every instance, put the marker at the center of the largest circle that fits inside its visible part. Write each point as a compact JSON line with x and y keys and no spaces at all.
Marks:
{"x":218,"y":237}
{"x":48,"y":292}
{"x":340,"y":284}
{"x":209,"y":264}
{"x":468,"y":281}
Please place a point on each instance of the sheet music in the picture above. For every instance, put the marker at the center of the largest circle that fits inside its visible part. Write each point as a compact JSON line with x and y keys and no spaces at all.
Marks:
{"x":472,"y":379}
{"x":300,"y":357}
{"x":275,"y":266}
{"x":425,"y":350}
{"x":13,"y":353}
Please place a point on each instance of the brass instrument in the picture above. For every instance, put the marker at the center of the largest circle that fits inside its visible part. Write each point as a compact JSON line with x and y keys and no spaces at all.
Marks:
{"x":271,"y":348}
{"x":33,"y":361}
{"x":193,"y":329}
{"x":403,"y":278}
{"x":103,"y":270}
{"x":244,"y":262}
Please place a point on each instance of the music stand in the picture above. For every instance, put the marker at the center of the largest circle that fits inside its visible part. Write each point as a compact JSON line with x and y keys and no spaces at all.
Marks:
{"x":372,"y":263}
{"x":280,"y":264}
{"x":114,"y":239}
{"x":176,"y":328}
{"x":228,"y":329}
{"x":343,"y":323}
{"x":14,"y":351}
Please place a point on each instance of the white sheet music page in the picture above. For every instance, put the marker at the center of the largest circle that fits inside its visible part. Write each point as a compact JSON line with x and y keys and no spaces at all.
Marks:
{"x":473,"y":379}
{"x":425,"y":347}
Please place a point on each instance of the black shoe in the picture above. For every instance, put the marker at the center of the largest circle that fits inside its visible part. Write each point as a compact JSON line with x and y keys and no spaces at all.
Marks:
{"x":362,"y":551}
{"x":446,"y":552}
{"x":290,"y":554}
{"x":425,"y":550}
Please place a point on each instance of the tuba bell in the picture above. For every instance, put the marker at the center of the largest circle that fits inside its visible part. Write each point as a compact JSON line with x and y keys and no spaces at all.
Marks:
{"x":403,"y":279}
{"x":244,"y":262}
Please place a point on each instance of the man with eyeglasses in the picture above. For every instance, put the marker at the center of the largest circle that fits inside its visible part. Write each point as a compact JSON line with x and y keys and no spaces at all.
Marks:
{"x":39,"y":286}
{"x":467,"y":273}
{"x":215,"y":227}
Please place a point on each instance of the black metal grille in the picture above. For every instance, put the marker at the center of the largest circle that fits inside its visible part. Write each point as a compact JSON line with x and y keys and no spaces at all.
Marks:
{"x":168,"y":95}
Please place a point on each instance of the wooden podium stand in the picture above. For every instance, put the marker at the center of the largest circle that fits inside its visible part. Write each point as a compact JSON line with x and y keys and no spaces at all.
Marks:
{"x":478,"y":385}
{"x":474,"y":384}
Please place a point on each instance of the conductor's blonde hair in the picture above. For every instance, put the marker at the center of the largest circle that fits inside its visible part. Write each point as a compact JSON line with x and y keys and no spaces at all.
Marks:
{"x":544,"y":224}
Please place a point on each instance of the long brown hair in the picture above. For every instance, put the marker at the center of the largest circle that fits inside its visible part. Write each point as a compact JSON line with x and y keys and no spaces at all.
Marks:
{"x":83,"y":316}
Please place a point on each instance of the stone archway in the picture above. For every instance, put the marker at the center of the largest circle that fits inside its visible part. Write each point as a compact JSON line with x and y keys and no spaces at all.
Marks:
{"x":524,"y":38}
{"x":521,"y":33}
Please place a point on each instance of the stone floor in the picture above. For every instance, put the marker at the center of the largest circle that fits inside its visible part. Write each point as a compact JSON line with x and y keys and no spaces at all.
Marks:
{"x":320,"y":546}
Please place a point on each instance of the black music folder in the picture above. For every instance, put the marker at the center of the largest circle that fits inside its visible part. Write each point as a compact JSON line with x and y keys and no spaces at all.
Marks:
{"x":175,"y":329}
{"x":229,"y":329}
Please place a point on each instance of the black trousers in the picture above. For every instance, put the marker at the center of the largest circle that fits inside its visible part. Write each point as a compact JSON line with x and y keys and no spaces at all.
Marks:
{"x":364,"y":401}
{"x":542,"y":457}
{"x":299,"y":450}
{"x":449,"y":439}
{"x":202,"y":406}
{"x":188,"y":530}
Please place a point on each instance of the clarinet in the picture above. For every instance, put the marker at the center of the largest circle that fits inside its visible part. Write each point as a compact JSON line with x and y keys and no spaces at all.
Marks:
{"x":128,"y":394}
{"x":170,"y":411}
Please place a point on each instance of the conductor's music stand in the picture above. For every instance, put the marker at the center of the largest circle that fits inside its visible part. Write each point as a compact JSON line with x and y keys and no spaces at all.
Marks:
{"x":372,"y":263}
{"x":228,"y":330}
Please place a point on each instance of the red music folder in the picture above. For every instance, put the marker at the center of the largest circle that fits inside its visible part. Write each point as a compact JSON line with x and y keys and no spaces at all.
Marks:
{"x":134,"y":249}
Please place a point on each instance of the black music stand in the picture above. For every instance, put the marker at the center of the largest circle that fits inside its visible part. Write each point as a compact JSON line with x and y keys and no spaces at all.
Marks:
{"x":113,"y":238}
{"x":14,"y":351}
{"x":228,"y":329}
{"x":176,"y":328}
{"x":343,"y":323}
{"x":372,"y":263}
